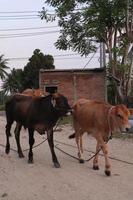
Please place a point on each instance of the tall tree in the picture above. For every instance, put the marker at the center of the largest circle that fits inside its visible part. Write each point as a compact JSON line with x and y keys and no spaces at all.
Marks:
{"x":87,"y":22}
{"x":18,"y":80}
{"x":14,"y":82}
{"x":31,"y":71}
{"x":3,"y":67}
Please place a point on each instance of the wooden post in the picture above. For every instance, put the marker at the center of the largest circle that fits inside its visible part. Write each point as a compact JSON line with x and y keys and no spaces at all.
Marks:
{"x":74,"y":87}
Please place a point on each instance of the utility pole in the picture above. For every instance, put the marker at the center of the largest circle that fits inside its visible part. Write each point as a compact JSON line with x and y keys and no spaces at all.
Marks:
{"x":103,"y":64}
{"x":102,"y":55}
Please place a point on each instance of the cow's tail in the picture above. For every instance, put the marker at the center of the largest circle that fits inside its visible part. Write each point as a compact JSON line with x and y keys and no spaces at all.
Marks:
{"x":72,"y":136}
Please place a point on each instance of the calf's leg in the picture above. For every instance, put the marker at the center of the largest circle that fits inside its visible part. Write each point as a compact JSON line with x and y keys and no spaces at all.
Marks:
{"x":79,"y":145}
{"x":107,"y":163}
{"x":95,"y":161}
{"x":104,"y":148}
{"x":31,"y":142}
{"x":51,"y":145}
{"x":17,"y":137}
{"x":78,"y":138}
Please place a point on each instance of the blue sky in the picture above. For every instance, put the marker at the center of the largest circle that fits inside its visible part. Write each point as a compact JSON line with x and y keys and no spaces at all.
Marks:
{"x":21,"y":47}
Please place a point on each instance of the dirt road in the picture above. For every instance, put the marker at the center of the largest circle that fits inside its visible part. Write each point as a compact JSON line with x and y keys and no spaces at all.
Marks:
{"x":73,"y":181}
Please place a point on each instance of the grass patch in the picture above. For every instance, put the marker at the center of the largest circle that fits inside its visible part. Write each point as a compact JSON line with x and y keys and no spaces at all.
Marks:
{"x":2,"y":107}
{"x":123,"y":135}
{"x":66,"y":120}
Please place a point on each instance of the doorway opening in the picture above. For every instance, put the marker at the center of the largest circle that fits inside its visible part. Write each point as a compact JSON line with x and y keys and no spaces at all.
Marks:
{"x":51,"y":89}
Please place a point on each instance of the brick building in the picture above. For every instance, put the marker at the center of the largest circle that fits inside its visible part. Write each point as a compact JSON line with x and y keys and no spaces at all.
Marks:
{"x":75,"y":83}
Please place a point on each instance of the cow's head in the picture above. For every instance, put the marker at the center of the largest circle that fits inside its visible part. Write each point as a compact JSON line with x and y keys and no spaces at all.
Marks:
{"x":60,"y":103}
{"x":120,"y":115}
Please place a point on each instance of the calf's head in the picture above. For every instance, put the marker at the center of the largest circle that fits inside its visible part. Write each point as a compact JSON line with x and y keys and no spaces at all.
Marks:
{"x":60,"y":103}
{"x":120,"y":115}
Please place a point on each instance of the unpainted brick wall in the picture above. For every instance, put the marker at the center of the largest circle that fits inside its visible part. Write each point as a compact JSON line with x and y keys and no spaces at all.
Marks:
{"x":76,"y":85}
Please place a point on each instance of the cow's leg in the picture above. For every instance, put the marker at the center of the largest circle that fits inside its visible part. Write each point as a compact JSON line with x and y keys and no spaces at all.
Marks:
{"x":95,"y":161}
{"x":17,"y":137}
{"x":31,"y":142}
{"x":51,"y":145}
{"x":104,"y":148}
{"x":8,"y":134}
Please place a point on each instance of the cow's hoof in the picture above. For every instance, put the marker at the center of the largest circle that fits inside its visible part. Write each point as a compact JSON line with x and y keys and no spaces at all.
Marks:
{"x":7,"y":150}
{"x":81,"y":161}
{"x":95,"y":167}
{"x":21,"y":155}
{"x":108,"y":173}
{"x":56,"y":165}
{"x":30,"y":161}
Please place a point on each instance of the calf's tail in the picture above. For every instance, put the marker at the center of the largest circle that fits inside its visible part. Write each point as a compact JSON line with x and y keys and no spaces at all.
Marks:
{"x":72,"y":136}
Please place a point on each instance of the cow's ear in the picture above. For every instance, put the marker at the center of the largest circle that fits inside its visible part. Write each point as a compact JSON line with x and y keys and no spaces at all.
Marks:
{"x":55,"y":96}
{"x":53,"y":101}
{"x":113,"y":111}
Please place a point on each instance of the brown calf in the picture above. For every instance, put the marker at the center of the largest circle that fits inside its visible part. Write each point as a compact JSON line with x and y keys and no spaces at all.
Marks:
{"x":98,"y":119}
{"x":33,"y":92}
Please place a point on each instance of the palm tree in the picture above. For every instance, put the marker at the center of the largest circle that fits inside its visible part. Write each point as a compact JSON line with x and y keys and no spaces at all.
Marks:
{"x":3,"y":67}
{"x":13,"y":82}
{"x":8,"y":85}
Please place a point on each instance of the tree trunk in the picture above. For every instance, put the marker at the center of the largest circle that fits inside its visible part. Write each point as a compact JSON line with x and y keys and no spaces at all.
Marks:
{"x":129,"y":79}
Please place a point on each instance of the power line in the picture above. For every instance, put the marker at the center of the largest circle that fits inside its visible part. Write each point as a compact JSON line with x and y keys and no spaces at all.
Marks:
{"x":8,"y":12}
{"x":21,"y":15}
{"x":22,"y":29}
{"x":33,"y":11}
{"x":27,"y":34}
{"x":56,"y":58}
{"x":27,"y":16}
{"x":21,"y":18}
{"x":15,"y":34}
{"x":57,"y":55}
{"x":74,"y":58}
{"x":23,"y":58}
{"x":24,"y":11}
{"x":12,"y":16}
{"x":70,"y":54}
{"x":64,"y":58}
{"x":90,"y":58}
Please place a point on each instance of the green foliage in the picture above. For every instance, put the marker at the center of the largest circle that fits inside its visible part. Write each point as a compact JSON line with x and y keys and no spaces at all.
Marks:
{"x":67,"y":120}
{"x":31,"y":71}
{"x":83,"y":22}
{"x":111,"y":92}
{"x":132,"y":88}
{"x":14,"y":81}
{"x":3,"y":99}
{"x":18,"y":80}
{"x":2,"y":107}
{"x":3,"y":67}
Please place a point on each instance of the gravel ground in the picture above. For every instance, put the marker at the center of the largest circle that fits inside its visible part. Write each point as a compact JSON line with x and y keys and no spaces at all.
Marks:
{"x":22,"y":181}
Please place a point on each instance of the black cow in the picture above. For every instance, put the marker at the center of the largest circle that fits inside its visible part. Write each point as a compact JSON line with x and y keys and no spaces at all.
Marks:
{"x":35,"y":113}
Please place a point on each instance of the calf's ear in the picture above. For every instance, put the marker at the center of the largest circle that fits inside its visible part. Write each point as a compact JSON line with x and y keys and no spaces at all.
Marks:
{"x":130,"y":111}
